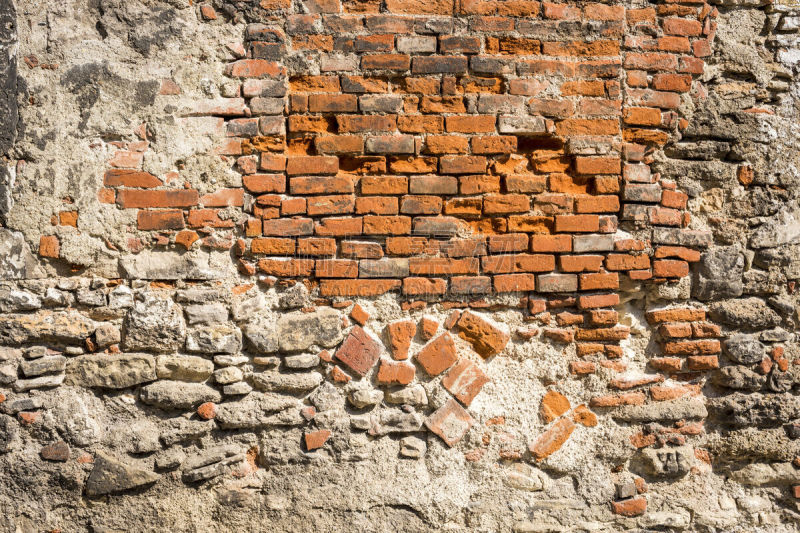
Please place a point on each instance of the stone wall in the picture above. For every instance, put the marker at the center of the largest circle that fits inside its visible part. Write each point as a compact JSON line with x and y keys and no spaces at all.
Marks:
{"x":365,"y":265}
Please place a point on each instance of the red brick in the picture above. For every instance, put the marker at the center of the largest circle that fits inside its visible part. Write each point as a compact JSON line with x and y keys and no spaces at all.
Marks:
{"x":386,"y":62}
{"x":438,"y":355}
{"x":336,"y":268}
{"x":514,"y":282}
{"x":470,"y":123}
{"x":49,"y":246}
{"x":316,"y":439}
{"x":424,"y":286}
{"x":514,"y":242}
{"x":340,"y":227}
{"x":454,"y":164}
{"x":589,"y":282}
{"x":627,"y":262}
{"x":263,"y":183}
{"x":702,"y":362}
{"x":288,"y":227}
{"x":551,"y":243}
{"x":287,"y":268}
{"x":312,"y":165}
{"x":668,"y":268}
{"x":486,"y":338}
{"x":700,"y":347}
{"x":357,"y":288}
{"x":129,"y":198}
{"x":577,"y":223}
{"x":465,"y":380}
{"x":118,"y":177}
{"x":675,"y":315}
{"x":598,"y":300}
{"x":254,"y":68}
{"x":551,"y":440}
{"x":513,"y":8}
{"x":400,"y":334}
{"x":386,"y":225}
{"x":272,"y":246}
{"x":633,"y":507}
{"x":395,"y":373}
{"x":450,"y":422}
{"x":160,"y":220}
{"x":672,"y":82}
{"x":683,"y":27}
{"x":580,"y":263}
{"x":384,"y":185}
{"x":470,"y":285}
{"x":518,"y":263}
{"x":359,"y":351}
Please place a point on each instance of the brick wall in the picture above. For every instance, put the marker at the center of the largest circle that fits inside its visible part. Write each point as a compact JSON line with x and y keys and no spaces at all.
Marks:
{"x":461,"y":234}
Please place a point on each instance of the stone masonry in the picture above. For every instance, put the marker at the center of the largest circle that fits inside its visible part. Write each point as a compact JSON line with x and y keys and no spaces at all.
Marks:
{"x":394,"y":265}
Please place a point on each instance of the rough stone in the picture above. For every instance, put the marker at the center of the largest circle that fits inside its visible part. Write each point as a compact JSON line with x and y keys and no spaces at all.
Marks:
{"x":167,"y":394}
{"x":111,"y":476}
{"x":215,"y":338}
{"x":183,"y":367}
{"x":111,"y":371}
{"x":154,"y":325}
{"x":300,"y":331}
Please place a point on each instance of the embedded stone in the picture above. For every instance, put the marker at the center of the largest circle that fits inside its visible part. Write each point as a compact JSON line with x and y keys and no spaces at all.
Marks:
{"x":719,"y":274}
{"x":412,"y":447}
{"x":154,"y":325}
{"x":299,"y":331}
{"x":111,"y":371}
{"x":450,"y":422}
{"x":43,"y":365}
{"x":110,"y":476}
{"x":438,"y":355}
{"x":258,"y":410}
{"x":293,"y":383}
{"x":9,"y":433}
{"x":41,"y":382}
{"x":107,"y":334}
{"x":228,"y":375}
{"x":58,"y":451}
{"x":486,"y":338}
{"x":178,"y":394}
{"x":68,"y":327}
{"x":183,"y":367}
{"x":413,"y":395}
{"x":213,"y":313}
{"x":214,"y":338}
{"x":387,"y":421}
{"x":744,"y":349}
{"x":15,"y":301}
{"x":360,"y":351}
{"x":738,"y":377}
{"x":361,"y":398}
{"x":16,"y":259}
{"x":748,"y":313}
{"x":262,"y":335}
{"x":162,"y":265}
{"x":667,"y":462}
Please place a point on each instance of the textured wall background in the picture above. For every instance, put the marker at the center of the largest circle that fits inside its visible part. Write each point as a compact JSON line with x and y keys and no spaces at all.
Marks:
{"x":484,"y":265}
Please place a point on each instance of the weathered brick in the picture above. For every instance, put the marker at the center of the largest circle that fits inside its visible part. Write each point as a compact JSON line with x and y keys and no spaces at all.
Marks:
{"x":132,"y":198}
{"x":160,"y":220}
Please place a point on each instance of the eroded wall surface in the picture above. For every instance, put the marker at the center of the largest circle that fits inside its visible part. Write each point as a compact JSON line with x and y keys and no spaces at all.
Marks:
{"x":359,"y":265}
